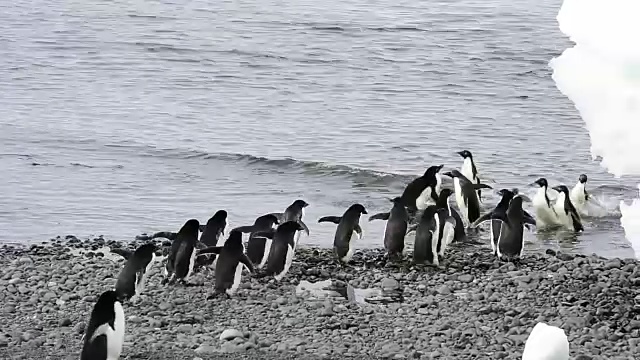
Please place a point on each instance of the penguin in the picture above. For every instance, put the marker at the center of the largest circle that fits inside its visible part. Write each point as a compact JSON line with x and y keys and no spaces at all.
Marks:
{"x":567,"y":214}
{"x":231,"y":261}
{"x":546,"y":214}
{"x":443,"y":203}
{"x":282,"y":248}
{"x":213,"y":231}
{"x":132,"y":277}
{"x":579,"y":195}
{"x":546,"y":343}
{"x":348,"y":226}
{"x":104,"y":335}
{"x":396,"y":228}
{"x":469,"y":169}
{"x":182,"y":255}
{"x":294,"y":212}
{"x":258,"y":247}
{"x":499,"y":212}
{"x":466,"y":196}
{"x":434,"y":232}
{"x":424,"y":190}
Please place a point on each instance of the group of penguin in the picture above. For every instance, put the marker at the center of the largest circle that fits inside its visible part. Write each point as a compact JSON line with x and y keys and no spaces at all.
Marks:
{"x":423,"y":207}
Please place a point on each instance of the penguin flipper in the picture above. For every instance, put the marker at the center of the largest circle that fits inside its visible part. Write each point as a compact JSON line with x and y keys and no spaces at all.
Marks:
{"x":165,"y":234}
{"x":126,"y":254}
{"x":577,"y":224}
{"x":333,"y":219}
{"x":451,"y":220}
{"x":358,"y":230}
{"x":280,"y":217}
{"x":265,"y":233}
{"x":304,"y":226}
{"x":486,"y":217}
{"x":245,"y":260}
{"x":411,"y":228}
{"x":528,"y":219}
{"x":244,"y":229}
{"x":481,"y":186}
{"x":210,"y":250}
{"x":380,"y":216}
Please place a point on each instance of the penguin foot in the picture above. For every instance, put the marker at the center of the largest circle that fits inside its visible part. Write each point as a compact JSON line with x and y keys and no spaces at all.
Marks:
{"x":219,"y":295}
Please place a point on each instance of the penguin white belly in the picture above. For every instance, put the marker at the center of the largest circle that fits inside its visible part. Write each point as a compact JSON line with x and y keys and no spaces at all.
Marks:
{"x":424,"y":200}
{"x":544,"y":214}
{"x":493,"y":246}
{"x":435,"y":237}
{"x":563,"y":218}
{"x":192,"y":263}
{"x":347,"y":257}
{"x":438,"y":183}
{"x":578,"y":198}
{"x":546,"y":343}
{"x":140,"y":283}
{"x":267,"y":251}
{"x":237,"y":276}
{"x":115,"y":336}
{"x":460,"y":201}
{"x":287,"y":263}
{"x":298,"y":234}
{"x":467,"y":170}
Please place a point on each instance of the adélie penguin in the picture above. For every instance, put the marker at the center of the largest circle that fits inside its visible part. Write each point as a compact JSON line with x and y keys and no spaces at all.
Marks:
{"x":104,"y":335}
{"x":469,"y":169}
{"x":131,"y":280}
{"x":546,"y":214}
{"x":294,"y":212}
{"x":579,"y":195}
{"x":396,"y":228}
{"x":424,"y":190}
{"x":348,"y":227}
{"x":282,"y":248}
{"x":434,"y":232}
{"x":231,"y":262}
{"x":182,"y":255}
{"x":213,"y":231}
{"x":443,"y":203}
{"x":546,"y":343}
{"x":567,"y":214}
{"x":258,"y":247}
{"x":466,"y":196}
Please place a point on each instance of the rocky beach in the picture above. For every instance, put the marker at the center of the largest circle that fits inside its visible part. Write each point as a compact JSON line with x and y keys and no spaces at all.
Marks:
{"x":473,"y":307}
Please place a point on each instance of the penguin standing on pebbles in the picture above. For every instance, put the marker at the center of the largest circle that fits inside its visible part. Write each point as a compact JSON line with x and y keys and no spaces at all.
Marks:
{"x":131,"y":280}
{"x":443,"y":203}
{"x":424,"y":190}
{"x":231,"y":261}
{"x":283,"y":248}
{"x":348,"y":226}
{"x":294,"y":212}
{"x":258,"y":247}
{"x":396,"y":228}
{"x":182,"y":256}
{"x":433,"y":233}
{"x":104,"y":335}
{"x":214,"y":229}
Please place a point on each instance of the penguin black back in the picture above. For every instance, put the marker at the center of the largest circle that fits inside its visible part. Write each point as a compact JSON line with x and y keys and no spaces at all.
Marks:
{"x":181,"y":259}
{"x":132,"y":276}
{"x":426,"y":233}
{"x":214,"y":228}
{"x":104,"y":334}
{"x":396,"y":228}
{"x":230,"y":262}
{"x":348,"y":224}
{"x":282,"y":247}
{"x":415,"y":188}
{"x":443,"y":203}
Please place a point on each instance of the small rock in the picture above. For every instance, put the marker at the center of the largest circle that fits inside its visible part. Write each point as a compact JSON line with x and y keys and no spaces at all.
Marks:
{"x":230,"y":334}
{"x":64,"y":322}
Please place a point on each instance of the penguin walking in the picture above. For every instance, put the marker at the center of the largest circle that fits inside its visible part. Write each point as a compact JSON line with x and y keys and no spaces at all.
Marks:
{"x":434,"y":232}
{"x":466,"y":196}
{"x":396,"y":228}
{"x":546,"y":214}
{"x":182,"y":255}
{"x":213,"y":231}
{"x":294,"y":212}
{"x":567,"y":214}
{"x":469,"y":169}
{"x":546,"y":343}
{"x":104,"y":335}
{"x":131,"y":281}
{"x":348,"y":226}
{"x":460,"y":234}
{"x":282,"y":248}
{"x":579,"y":195}
{"x":258,"y":247}
{"x":424,"y":190}
{"x":231,"y":261}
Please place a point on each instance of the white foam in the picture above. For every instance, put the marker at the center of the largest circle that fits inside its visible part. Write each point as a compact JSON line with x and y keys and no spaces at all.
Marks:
{"x":601,"y":75}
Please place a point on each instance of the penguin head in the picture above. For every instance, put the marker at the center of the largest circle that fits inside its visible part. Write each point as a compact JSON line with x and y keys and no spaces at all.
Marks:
{"x":561,"y":189}
{"x":234,"y":241}
{"x":268,"y":219}
{"x":300,"y":203}
{"x":192,"y":226}
{"x":583,"y":178}
{"x":542,"y":182}
{"x":357,"y":208}
{"x":290,"y":226}
{"x":147,"y":250}
{"x":432,"y":171}
{"x":446,"y":192}
{"x":396,"y":200}
{"x":452,"y":174}
{"x":507,"y":193}
{"x":104,"y":307}
{"x":465,"y":154}
{"x":219,"y":215}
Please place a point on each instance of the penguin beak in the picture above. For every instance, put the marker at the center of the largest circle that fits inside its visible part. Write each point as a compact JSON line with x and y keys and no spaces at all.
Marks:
{"x":448,"y":173}
{"x":524,"y":197}
{"x":461,"y":153}
{"x":440,"y":167}
{"x":557,"y":188}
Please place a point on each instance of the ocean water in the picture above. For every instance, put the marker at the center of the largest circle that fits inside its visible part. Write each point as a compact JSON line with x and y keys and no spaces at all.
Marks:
{"x":122,"y":117}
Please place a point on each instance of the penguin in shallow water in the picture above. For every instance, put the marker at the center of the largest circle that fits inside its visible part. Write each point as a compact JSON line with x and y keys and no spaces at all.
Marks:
{"x":231,"y":261}
{"x":434,"y":232}
{"x":546,"y":214}
{"x":567,"y":213}
{"x":348,"y":226}
{"x":579,"y":195}
{"x":469,"y":169}
{"x":511,"y":237}
{"x":424,"y":190}
{"x":104,"y":335}
{"x":443,"y":203}
{"x":396,"y":228}
{"x":213,"y":231}
{"x":282,"y":248}
{"x":466,"y":196}
{"x":182,"y":255}
{"x":131,"y":280}
{"x":258,"y":247}
{"x":294,"y":212}
{"x":546,"y":342}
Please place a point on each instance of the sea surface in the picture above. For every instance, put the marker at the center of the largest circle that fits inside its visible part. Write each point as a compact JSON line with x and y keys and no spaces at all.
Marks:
{"x":120,"y":117}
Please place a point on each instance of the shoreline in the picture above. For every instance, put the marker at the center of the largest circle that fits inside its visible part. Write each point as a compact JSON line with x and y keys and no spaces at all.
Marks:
{"x":475,"y":307}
